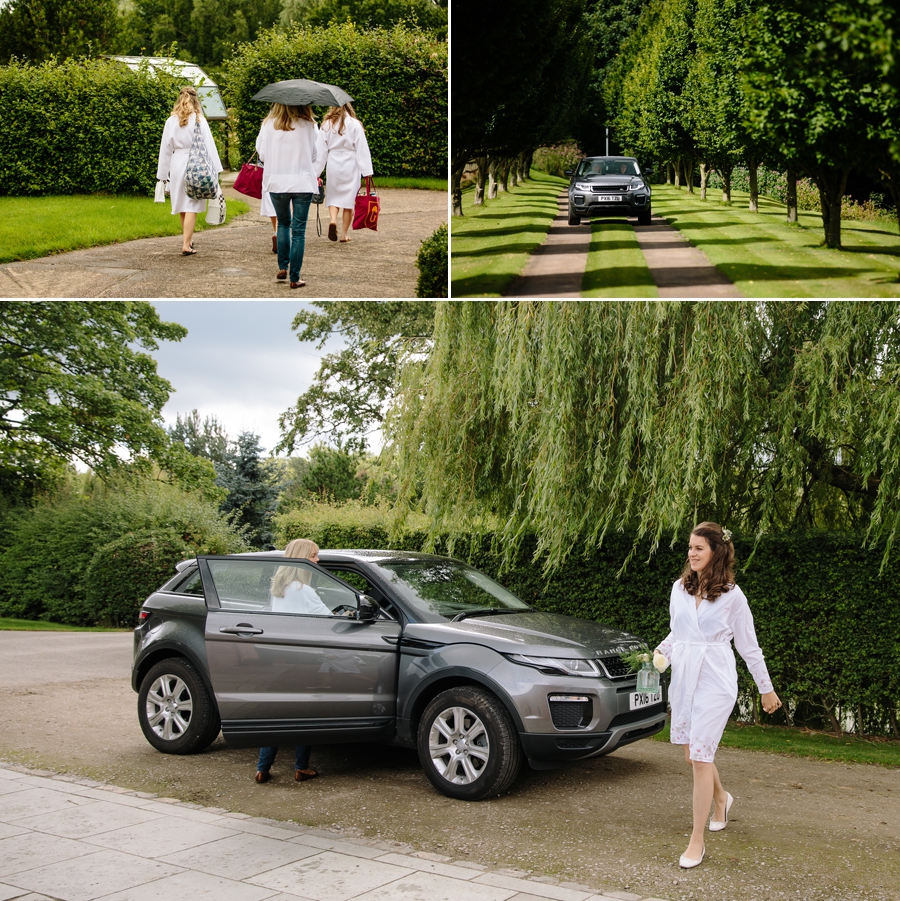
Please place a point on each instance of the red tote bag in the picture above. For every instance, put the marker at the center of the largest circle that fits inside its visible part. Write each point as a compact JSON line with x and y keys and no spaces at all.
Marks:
{"x":367,"y":207}
{"x":250,"y":178}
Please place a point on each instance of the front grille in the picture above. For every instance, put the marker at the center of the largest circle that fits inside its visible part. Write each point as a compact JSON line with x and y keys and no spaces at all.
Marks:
{"x":573,"y":744}
{"x":635,"y":716}
{"x":615,"y":667}
{"x":609,"y":189}
{"x":571,"y":714}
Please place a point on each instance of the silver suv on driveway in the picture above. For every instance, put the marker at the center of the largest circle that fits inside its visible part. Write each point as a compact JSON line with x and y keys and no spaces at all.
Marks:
{"x":417,"y":650}
{"x":605,"y":186}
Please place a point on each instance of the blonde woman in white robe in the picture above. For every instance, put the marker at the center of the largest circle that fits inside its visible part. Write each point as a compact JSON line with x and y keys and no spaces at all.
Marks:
{"x":344,"y":150}
{"x":173,"y":156}
{"x":707,"y":611}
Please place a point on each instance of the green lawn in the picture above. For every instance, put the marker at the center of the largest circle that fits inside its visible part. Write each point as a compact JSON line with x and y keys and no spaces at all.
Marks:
{"x":490,"y":244}
{"x":802,"y":743}
{"x":766,"y":257}
{"x":32,"y":227}
{"x":36,"y":625}
{"x":424,"y":183}
{"x":615,"y":265}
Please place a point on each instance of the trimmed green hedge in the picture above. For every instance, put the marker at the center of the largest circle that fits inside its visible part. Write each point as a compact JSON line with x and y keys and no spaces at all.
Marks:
{"x":827,"y":620}
{"x":81,"y":127}
{"x":432,"y":262}
{"x":397,"y":77}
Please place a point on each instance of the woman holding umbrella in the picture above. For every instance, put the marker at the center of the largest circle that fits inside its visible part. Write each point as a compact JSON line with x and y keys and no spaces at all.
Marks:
{"x":343,"y":148}
{"x":287,"y":145}
{"x":173,"y":158}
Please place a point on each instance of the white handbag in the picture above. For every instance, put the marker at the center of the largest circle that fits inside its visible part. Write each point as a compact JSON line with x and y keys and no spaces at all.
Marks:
{"x":159,"y":195}
{"x":215,"y":209}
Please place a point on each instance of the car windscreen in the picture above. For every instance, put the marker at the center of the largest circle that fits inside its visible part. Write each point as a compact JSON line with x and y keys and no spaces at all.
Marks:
{"x":598,"y":167}
{"x":442,"y":589}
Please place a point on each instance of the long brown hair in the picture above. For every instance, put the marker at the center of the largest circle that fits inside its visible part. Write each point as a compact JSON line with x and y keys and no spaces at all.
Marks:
{"x":188,"y":102}
{"x":337,"y":115}
{"x":718,"y":577}
{"x":301,"y":548}
{"x":282,"y":115}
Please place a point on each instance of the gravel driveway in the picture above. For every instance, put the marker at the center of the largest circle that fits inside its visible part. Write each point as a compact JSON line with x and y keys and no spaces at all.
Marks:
{"x":799,"y":829}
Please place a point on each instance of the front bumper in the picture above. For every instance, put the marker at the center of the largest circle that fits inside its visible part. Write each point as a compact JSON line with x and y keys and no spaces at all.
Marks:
{"x":584,"y":204}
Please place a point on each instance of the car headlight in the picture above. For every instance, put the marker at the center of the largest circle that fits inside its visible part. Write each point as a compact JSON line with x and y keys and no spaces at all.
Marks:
{"x":566,"y":666}
{"x":583,"y":188}
{"x":637,"y":185}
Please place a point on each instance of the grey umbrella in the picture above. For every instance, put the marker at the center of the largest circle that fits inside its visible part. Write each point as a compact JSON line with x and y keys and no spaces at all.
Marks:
{"x":302,"y":91}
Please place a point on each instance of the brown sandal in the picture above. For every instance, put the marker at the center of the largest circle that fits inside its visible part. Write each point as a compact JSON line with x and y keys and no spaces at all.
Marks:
{"x":300,"y":776}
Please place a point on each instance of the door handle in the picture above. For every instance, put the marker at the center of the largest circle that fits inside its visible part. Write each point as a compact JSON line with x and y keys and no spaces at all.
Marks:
{"x":242,"y":629}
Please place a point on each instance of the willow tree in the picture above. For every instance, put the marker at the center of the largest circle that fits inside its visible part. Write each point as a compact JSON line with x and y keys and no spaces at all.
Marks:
{"x":572,"y":419}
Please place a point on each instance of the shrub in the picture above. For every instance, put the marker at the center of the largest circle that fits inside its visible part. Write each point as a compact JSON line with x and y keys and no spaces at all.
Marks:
{"x":556,"y":159}
{"x":397,"y":77}
{"x":432,"y":262}
{"x":81,"y":127}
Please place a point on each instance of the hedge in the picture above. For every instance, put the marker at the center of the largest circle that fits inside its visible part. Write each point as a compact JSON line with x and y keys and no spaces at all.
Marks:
{"x":827,"y":620}
{"x":81,"y":127}
{"x":432,"y":262}
{"x":397,"y":77}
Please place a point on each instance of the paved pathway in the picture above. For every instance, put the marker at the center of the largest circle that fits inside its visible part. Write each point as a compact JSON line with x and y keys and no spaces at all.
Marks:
{"x":236,"y":260}
{"x":73,"y":839}
{"x":678,"y":268}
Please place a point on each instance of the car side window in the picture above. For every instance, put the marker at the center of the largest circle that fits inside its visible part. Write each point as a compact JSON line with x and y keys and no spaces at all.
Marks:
{"x":190,"y":585}
{"x":362,"y":584}
{"x":279,"y":586}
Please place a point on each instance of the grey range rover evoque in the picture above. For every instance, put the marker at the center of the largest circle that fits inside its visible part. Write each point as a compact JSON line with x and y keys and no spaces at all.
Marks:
{"x":419,"y":650}
{"x":609,"y":186}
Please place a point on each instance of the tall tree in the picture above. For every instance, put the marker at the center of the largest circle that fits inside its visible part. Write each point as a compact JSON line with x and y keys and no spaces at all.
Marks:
{"x":206,"y":438}
{"x":348,"y":396}
{"x":579,"y":418}
{"x":77,"y":383}
{"x":252,"y":488}
{"x":35,"y":30}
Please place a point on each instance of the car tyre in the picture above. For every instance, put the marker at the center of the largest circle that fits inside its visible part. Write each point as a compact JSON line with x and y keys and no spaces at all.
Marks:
{"x":468,"y":744}
{"x":573,"y":219}
{"x":175,"y":710}
{"x":644,"y":217}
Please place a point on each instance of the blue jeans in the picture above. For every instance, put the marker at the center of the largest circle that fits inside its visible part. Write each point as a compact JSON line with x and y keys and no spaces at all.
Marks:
{"x":291,"y":230}
{"x":267,"y":758}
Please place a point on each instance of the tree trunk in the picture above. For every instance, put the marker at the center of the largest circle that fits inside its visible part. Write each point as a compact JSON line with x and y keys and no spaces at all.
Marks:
{"x":513,"y":172}
{"x":832,"y":184}
{"x":493,"y":164}
{"x":480,"y":179}
{"x":677,"y":173}
{"x":689,"y":175}
{"x":726,"y":184}
{"x":892,"y":716}
{"x":704,"y":178}
{"x":456,"y":187}
{"x":792,"y":196}
{"x":668,"y":173}
{"x":527,"y":163}
{"x":503,"y":184}
{"x":752,"y":167}
{"x":520,"y":163}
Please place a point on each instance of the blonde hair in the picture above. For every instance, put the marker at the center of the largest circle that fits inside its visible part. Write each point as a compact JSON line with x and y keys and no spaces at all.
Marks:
{"x":301,"y":548}
{"x":188,"y":102}
{"x":337,"y":115}
{"x":283,"y":116}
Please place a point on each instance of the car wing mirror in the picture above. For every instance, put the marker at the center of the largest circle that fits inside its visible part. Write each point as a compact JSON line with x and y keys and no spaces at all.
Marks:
{"x":569,"y":172}
{"x":367,"y":611}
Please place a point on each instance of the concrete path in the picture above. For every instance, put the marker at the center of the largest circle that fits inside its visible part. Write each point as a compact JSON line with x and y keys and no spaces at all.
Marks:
{"x":73,"y":839}
{"x":678,"y":268}
{"x":236,"y":260}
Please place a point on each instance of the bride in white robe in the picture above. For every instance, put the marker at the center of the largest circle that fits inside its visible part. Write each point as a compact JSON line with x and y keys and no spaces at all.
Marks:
{"x":707,"y":611}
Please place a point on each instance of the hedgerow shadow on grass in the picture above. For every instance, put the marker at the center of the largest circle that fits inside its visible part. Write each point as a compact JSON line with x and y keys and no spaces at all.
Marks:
{"x":615,"y":265}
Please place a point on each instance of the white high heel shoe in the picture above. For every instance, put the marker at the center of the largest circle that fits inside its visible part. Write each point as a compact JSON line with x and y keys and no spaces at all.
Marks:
{"x":686,"y":863}
{"x":719,"y":825}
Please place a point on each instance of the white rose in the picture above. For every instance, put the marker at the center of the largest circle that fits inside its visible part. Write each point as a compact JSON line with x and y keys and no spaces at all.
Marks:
{"x":660,"y":661}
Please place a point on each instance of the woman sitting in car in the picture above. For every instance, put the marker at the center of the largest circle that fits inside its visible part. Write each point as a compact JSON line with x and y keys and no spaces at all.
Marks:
{"x":291,"y":590}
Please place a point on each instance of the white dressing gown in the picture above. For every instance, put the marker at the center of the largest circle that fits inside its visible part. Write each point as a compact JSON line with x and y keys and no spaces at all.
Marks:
{"x":265,"y":202}
{"x":347,"y":158}
{"x":173,"y":157}
{"x":704,"y":677}
{"x":299,"y":598}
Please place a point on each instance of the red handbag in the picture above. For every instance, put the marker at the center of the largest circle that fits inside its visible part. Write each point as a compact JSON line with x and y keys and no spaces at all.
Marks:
{"x":367,"y":206}
{"x":250,"y":178}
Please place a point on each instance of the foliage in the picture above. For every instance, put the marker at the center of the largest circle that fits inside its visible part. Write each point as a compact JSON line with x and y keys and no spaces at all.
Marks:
{"x":347,"y":398}
{"x":578,"y":419}
{"x":379,"y":14}
{"x":432,"y":260}
{"x":38,"y":30}
{"x":81,"y":127}
{"x":251,"y":486}
{"x":77,"y":382}
{"x":202,"y":439}
{"x":47,"y":550}
{"x":554,"y":160}
{"x":329,"y":474}
{"x":397,"y":77}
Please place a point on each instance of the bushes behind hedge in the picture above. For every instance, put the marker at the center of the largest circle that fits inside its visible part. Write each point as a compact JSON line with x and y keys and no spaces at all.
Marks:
{"x":827,"y":620}
{"x":81,"y":127}
{"x":397,"y":77}
{"x":432,"y":262}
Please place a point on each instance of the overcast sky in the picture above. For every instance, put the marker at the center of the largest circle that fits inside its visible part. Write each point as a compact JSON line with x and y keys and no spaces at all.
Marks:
{"x":240,"y":362}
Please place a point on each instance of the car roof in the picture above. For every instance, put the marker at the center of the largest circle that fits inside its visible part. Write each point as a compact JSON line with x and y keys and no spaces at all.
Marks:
{"x":339,"y":555}
{"x":610,"y":158}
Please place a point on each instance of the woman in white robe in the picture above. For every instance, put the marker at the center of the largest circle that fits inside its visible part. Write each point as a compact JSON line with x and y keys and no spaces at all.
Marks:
{"x":707,"y":611}
{"x":177,"y":136}
{"x":344,"y":150}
